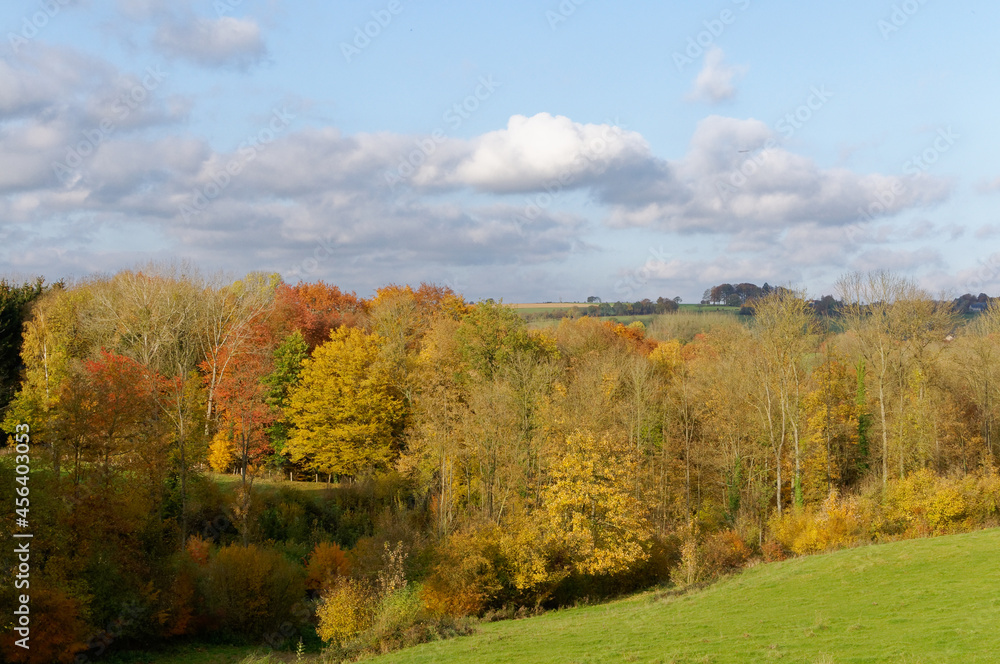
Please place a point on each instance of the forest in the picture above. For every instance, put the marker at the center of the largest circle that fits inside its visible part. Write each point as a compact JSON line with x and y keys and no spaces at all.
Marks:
{"x":258,"y":462}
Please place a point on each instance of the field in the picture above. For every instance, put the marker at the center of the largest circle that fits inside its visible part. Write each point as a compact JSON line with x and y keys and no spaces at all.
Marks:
{"x":229,"y":481}
{"x":917,"y":601}
{"x":684,"y":324}
{"x":920,"y":601}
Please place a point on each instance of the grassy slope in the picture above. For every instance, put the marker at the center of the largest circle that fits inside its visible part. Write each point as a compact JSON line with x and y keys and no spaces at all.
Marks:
{"x":931,"y":600}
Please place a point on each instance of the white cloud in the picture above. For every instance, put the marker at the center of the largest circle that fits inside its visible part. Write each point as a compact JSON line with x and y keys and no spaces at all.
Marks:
{"x":541,"y":150}
{"x":735,"y":175}
{"x":314,"y":202}
{"x":225,"y":41}
{"x":897,"y":260}
{"x":714,"y":83}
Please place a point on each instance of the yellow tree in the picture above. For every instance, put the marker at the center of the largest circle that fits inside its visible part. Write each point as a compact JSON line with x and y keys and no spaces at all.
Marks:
{"x":52,"y":337}
{"x":345,"y":412}
{"x":832,"y":418}
{"x":591,"y":507}
{"x":436,"y":444}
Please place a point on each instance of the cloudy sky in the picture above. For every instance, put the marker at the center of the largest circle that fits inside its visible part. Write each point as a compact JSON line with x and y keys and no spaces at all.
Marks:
{"x":528,"y":150}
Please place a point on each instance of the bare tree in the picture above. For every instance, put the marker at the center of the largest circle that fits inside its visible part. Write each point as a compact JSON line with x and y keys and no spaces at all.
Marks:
{"x":895,"y":325}
{"x":229,"y":312}
{"x":783,"y":321}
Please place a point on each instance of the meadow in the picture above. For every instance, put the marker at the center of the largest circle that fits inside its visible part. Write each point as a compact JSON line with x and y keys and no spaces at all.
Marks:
{"x":928,"y":600}
{"x":921,"y":601}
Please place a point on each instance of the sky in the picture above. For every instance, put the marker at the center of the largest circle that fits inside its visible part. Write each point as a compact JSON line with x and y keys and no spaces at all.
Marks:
{"x":529,"y":151}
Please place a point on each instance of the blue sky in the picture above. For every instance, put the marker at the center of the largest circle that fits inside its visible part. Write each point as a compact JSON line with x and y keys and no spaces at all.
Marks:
{"x":523,"y":150}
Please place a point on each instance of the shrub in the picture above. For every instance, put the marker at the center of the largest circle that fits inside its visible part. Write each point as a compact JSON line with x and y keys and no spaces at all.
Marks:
{"x":346,"y":610}
{"x":197,"y":549}
{"x":772,"y":551}
{"x":721,"y":553}
{"x":465,"y":580}
{"x":837,"y":524}
{"x":250,"y":589}
{"x":57,"y":629}
{"x":923,"y":504}
{"x":686,"y":571}
{"x":180,"y":600}
{"x":395,"y":618}
{"x":326,"y":562}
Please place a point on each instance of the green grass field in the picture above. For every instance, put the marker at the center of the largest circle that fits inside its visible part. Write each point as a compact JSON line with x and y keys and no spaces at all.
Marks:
{"x":229,"y":481}
{"x":921,"y":601}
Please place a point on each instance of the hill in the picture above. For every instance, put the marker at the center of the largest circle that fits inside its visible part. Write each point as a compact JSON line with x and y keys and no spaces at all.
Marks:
{"x":930,"y":600}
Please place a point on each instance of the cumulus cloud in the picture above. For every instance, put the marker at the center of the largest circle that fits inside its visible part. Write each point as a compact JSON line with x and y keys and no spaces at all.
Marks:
{"x":897,"y":260}
{"x":714,"y":83}
{"x":736,"y":174}
{"x":223,"y":41}
{"x":545,"y":149}
{"x":310,"y":202}
{"x":42,"y":78}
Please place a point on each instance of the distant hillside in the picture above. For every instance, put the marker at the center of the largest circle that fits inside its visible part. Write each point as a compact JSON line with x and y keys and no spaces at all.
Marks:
{"x":929,"y":600}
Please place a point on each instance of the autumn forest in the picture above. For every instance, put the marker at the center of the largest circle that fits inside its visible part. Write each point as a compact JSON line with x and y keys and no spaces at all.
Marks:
{"x":257,"y":462}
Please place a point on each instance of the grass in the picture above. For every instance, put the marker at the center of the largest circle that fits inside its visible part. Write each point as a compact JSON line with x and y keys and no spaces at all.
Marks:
{"x":683,"y":325}
{"x":187,"y":654}
{"x":920,"y":601}
{"x":708,"y":308}
{"x":228,"y":480}
{"x":525,"y":308}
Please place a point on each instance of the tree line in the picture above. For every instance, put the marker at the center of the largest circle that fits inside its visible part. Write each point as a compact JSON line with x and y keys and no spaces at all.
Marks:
{"x":474,"y":464}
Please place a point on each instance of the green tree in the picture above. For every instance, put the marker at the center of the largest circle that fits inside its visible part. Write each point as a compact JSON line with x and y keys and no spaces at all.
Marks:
{"x":288,"y":358}
{"x":15,"y":300}
{"x":490,"y":334}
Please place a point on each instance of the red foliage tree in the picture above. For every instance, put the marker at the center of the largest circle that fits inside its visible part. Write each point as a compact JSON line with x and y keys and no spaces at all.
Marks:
{"x":315,"y":309}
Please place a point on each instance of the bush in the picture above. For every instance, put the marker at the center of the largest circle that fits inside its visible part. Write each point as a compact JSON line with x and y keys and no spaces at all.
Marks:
{"x":923,"y":504}
{"x":251,"y":589}
{"x":326,"y":562}
{"x":57,"y":629}
{"x":686,"y":571}
{"x":723,"y":552}
{"x":836,"y":525}
{"x":345,"y":611}
{"x":465,"y":580}
{"x":772,"y":551}
{"x":395,"y":618}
